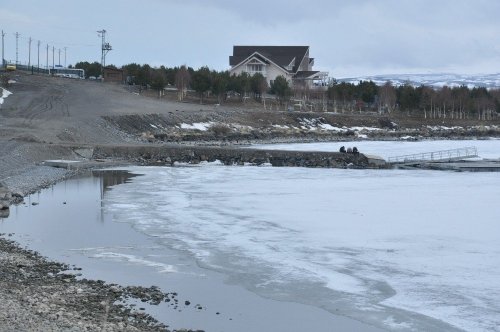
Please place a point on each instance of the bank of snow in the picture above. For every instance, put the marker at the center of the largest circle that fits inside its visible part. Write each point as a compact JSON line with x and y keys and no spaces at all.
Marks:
{"x":4,"y":95}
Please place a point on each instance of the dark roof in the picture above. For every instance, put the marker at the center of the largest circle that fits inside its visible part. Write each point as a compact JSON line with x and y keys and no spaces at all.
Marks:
{"x":305,"y":74}
{"x":113,"y":69}
{"x":281,"y":55}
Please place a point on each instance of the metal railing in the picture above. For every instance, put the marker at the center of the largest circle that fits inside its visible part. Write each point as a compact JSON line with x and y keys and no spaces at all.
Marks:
{"x":445,"y":155}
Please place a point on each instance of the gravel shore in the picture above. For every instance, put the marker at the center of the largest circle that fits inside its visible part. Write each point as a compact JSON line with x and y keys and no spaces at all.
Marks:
{"x":40,"y":295}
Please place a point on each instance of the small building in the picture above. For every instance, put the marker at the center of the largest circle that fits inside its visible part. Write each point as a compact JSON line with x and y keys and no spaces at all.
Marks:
{"x":113,"y":75}
{"x":291,"y":62}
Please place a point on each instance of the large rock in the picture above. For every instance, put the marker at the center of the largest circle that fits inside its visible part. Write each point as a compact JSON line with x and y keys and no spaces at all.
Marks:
{"x":5,"y":197}
{"x":4,"y":213}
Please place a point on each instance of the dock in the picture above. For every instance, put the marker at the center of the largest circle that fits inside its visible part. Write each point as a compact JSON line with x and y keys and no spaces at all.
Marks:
{"x":449,"y":160}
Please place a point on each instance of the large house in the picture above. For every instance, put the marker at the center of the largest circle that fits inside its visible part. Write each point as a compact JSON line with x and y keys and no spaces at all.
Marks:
{"x":292,"y":62}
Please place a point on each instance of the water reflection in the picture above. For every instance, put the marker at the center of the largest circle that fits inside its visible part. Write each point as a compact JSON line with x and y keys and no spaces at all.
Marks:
{"x":110,"y":178}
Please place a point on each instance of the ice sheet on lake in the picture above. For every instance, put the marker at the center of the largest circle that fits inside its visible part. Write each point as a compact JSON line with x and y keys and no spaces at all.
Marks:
{"x":368,"y":242}
{"x":486,"y":148}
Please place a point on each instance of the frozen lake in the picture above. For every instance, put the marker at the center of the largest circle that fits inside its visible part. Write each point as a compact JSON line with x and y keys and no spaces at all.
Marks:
{"x":486,"y":148}
{"x":397,"y":249}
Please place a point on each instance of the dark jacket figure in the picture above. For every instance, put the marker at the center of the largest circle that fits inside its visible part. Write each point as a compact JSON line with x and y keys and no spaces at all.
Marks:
{"x":349,"y":150}
{"x":342,"y":149}
{"x":355,"y":150}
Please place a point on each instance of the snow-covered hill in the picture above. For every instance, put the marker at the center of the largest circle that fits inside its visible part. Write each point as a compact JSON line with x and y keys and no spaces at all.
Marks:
{"x":435,"y":80}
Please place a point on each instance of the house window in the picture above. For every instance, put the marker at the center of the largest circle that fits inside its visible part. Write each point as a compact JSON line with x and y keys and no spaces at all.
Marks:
{"x":254,"y":67}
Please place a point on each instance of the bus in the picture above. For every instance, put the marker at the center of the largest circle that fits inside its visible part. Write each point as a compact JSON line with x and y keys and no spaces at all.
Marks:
{"x":67,"y":72}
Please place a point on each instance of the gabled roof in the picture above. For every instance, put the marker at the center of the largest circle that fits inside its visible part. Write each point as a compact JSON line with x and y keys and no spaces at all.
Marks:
{"x":306,"y":74}
{"x":280,"y":55}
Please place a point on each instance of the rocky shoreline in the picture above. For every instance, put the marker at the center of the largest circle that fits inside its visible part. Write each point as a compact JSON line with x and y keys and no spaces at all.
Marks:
{"x":41,"y":295}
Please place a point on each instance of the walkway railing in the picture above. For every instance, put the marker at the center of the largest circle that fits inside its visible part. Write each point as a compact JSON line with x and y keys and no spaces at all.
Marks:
{"x":445,"y":155}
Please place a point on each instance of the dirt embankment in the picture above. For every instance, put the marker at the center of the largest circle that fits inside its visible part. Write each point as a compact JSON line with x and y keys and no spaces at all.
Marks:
{"x":246,"y":127}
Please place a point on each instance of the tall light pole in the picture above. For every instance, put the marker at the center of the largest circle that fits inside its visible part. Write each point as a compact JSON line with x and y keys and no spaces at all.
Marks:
{"x":65,"y":48}
{"x":53,"y":62}
{"x":29,"y":53}
{"x":47,"y":61}
{"x":3,"y":57}
{"x":59,"y":57}
{"x":105,"y":48}
{"x":38,"y":64}
{"x":17,"y":47}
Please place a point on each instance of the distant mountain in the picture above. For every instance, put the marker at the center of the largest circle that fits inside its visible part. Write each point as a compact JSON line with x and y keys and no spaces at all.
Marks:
{"x":434,"y":80}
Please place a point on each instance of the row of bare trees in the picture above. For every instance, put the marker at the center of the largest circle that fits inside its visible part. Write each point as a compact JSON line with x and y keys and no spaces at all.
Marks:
{"x":459,"y":102}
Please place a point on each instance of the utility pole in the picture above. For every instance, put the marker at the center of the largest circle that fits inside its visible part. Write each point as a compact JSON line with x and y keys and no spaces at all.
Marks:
{"x":65,"y":48}
{"x":59,"y":57}
{"x":47,"y":62}
{"x":3,"y":57}
{"x":105,"y":48}
{"x":38,"y":64}
{"x":17,"y":47}
{"x":29,"y":54}
{"x":53,"y":63}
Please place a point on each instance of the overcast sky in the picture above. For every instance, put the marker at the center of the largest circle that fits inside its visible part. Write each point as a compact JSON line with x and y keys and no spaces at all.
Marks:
{"x":347,"y":38}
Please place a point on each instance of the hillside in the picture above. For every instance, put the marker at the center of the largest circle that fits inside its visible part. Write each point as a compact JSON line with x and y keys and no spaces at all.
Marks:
{"x":434,"y":80}
{"x":45,"y":114}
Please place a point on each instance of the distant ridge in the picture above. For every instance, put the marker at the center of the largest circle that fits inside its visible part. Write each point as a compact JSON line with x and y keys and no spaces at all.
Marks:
{"x":434,"y":80}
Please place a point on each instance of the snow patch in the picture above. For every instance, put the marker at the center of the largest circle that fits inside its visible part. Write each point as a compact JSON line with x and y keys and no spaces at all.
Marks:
{"x":320,"y":124}
{"x":326,"y":126}
{"x":444,"y":128}
{"x":365,"y":129}
{"x":202,"y":126}
{"x":241,"y":127}
{"x":5,"y":94}
{"x":216,"y":162}
{"x":280,"y":126}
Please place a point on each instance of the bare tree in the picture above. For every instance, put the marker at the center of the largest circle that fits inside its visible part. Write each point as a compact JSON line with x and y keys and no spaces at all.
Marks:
{"x":426,"y":101}
{"x":263,"y":87}
{"x":182,"y":79}
{"x":388,"y":96}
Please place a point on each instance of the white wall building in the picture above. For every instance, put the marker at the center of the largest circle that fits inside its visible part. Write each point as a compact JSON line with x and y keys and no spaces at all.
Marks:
{"x":292,"y":62}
